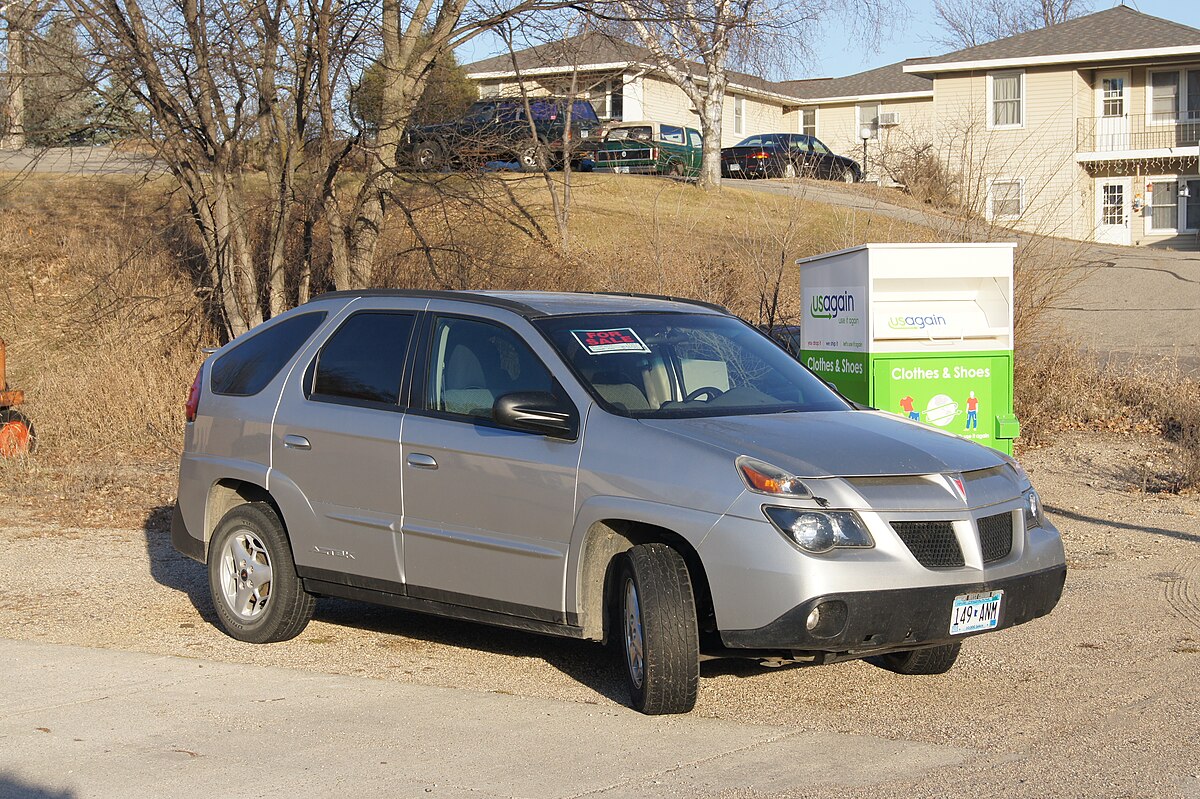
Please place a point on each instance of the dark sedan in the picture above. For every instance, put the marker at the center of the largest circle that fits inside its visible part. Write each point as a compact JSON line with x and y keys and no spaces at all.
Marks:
{"x":787,"y":155}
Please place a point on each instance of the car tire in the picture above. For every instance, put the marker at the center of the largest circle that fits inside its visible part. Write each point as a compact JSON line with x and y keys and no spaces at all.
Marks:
{"x":656,"y":630}
{"x":249,"y":542}
{"x":17,"y":434}
{"x":789,"y":171}
{"x":933,"y":660}
{"x":532,"y":157}
{"x":675,"y":170}
{"x":427,"y":156}
{"x":848,"y":176}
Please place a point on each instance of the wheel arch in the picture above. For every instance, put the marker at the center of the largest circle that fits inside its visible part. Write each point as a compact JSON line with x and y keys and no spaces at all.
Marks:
{"x":228,"y":493}
{"x":604,"y":542}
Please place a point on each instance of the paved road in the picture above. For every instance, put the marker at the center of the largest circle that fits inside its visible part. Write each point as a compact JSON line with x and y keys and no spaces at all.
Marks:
{"x":75,"y":161}
{"x":1123,"y":303}
{"x":78,"y":722}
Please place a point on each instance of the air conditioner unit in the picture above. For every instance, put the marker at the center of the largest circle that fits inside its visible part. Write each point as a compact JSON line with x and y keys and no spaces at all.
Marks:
{"x":889,"y":119}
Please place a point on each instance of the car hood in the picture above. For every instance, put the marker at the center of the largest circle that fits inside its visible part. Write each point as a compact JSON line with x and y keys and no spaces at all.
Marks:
{"x":836,"y":443}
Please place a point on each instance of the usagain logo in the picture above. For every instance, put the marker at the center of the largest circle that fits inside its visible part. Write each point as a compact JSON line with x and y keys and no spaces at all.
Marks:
{"x":828,"y":306}
{"x":915,"y":322}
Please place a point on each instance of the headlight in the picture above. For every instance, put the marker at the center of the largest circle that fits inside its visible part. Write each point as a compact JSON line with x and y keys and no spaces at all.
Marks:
{"x":763,"y":478}
{"x":1034,"y":516}
{"x":820,"y":531}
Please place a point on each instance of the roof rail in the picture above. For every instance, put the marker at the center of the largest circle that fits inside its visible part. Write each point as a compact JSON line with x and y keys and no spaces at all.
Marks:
{"x":460,"y":296}
{"x":686,"y":300}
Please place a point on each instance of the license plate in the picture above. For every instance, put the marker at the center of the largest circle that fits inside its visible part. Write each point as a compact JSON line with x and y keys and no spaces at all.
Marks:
{"x":621,"y":170}
{"x":583,"y":134}
{"x":734,"y":167}
{"x":974,"y":612}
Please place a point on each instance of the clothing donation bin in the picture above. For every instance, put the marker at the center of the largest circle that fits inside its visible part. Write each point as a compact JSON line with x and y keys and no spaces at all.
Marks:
{"x":921,"y":330}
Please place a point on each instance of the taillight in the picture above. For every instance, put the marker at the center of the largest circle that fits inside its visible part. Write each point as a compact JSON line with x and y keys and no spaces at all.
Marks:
{"x":653,"y":153}
{"x":193,"y":403}
{"x":762,"y":155}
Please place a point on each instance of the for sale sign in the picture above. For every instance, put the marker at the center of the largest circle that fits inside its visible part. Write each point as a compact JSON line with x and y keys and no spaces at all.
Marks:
{"x":604,"y":342}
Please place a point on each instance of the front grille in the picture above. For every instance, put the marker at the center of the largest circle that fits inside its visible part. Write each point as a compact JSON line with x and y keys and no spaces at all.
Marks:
{"x":932,"y":543}
{"x":996,"y":536}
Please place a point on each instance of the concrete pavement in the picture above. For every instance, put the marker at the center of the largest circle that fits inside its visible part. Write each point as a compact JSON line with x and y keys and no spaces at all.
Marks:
{"x":78,"y":722}
{"x":76,"y":161}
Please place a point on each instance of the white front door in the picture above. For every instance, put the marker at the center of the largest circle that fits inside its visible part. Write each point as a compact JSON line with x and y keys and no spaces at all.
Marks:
{"x":1113,"y":210}
{"x":1112,"y":110}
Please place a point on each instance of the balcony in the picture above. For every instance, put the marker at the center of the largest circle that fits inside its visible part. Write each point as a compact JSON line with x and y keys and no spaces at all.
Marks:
{"x":1136,"y":136}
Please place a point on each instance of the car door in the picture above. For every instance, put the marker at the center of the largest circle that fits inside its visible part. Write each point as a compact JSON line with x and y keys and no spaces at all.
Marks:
{"x":488,"y":511}
{"x":695,"y":150}
{"x":825,"y":162}
{"x":336,"y":443}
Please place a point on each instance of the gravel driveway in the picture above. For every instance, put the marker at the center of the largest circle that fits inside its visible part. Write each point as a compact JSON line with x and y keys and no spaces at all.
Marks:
{"x":1102,"y":698}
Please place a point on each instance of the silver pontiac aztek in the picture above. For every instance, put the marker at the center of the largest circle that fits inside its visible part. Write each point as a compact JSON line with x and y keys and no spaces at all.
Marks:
{"x":644,"y":469}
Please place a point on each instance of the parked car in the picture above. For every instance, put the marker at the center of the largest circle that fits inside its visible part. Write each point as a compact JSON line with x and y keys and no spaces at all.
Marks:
{"x":499,"y":130}
{"x":650,"y":470}
{"x":650,"y":148}
{"x":786,"y":155}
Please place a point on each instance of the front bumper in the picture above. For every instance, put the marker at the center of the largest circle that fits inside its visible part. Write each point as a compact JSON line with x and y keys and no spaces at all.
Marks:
{"x":878,"y":621}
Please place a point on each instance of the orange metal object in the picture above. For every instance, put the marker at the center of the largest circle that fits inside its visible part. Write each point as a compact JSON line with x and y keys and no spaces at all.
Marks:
{"x":14,"y":439}
{"x":8,"y":399}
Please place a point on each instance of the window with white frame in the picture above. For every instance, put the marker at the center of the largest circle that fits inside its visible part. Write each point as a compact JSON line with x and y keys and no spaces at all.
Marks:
{"x":608,"y":99}
{"x":488,"y":90}
{"x":868,"y":117}
{"x":1174,"y":96}
{"x":1006,"y":99}
{"x":739,"y":115}
{"x":808,"y":121}
{"x":1006,"y":199}
{"x":1164,"y":205}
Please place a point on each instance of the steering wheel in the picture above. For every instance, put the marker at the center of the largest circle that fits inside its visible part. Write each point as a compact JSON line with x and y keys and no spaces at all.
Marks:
{"x":711,"y":391}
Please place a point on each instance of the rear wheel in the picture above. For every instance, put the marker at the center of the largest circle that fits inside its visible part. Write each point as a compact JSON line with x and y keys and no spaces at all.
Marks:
{"x":17,"y":436}
{"x":934,"y":660}
{"x":658,"y":633}
{"x":252,"y":577}
{"x":789,"y":171}
{"x":675,"y":170}
{"x":532,"y":157}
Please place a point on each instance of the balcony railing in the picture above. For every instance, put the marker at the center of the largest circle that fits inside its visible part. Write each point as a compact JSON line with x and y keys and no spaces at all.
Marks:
{"x":1136,"y":132}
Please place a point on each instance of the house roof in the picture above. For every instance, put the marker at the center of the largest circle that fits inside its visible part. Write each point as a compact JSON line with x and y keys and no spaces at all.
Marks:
{"x":890,"y":79}
{"x":1119,"y":31}
{"x":594,"y":50}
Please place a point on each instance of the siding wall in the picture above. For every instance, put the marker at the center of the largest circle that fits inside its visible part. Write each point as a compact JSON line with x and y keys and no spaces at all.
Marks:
{"x":1040,"y":153}
{"x":837,"y":127}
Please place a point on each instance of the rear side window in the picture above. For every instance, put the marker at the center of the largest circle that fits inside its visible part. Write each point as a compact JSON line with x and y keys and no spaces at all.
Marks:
{"x":252,"y":364}
{"x":670,"y":133}
{"x":582,"y":111}
{"x":364,"y":360}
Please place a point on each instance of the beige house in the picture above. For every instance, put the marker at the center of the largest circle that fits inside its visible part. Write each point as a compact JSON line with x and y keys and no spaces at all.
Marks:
{"x":1089,"y":129}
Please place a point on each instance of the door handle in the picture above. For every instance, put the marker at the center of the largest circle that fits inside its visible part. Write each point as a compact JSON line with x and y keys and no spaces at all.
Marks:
{"x":296,"y":442}
{"x":419,"y":460}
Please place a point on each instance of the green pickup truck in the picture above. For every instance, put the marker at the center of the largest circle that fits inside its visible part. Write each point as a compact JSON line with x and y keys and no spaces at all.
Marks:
{"x":650,"y":148}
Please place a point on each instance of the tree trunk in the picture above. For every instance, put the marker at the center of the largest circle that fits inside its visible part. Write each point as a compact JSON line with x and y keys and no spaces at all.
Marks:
{"x":14,"y":137}
{"x":710,"y":126}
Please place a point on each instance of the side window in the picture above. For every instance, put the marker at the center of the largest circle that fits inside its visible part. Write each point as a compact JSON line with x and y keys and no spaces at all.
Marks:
{"x":695,"y":139}
{"x":247,"y":368}
{"x":475,"y":362}
{"x":670,"y":133}
{"x":364,"y":360}
{"x":818,"y":147}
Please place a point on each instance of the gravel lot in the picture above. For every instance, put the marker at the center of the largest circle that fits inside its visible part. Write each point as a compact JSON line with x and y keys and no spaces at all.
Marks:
{"x":1098,"y":699}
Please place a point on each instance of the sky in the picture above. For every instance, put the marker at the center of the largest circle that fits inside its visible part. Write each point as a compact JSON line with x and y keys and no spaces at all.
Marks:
{"x":833,"y":56}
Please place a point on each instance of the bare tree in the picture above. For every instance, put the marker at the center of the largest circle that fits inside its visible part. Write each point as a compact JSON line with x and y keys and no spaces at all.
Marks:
{"x":967,"y":23}
{"x":21,"y":18}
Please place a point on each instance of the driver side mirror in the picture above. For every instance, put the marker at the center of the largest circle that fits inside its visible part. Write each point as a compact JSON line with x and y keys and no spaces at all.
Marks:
{"x":537,"y":412}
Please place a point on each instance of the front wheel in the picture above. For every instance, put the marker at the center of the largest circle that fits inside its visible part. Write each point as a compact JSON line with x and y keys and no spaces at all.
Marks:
{"x":427,"y":156}
{"x":848,"y":176}
{"x":933,"y":660}
{"x":659,"y":637}
{"x":252,"y":577}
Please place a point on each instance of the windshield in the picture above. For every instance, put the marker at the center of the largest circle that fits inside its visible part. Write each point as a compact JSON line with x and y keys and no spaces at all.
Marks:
{"x":671,"y":365}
